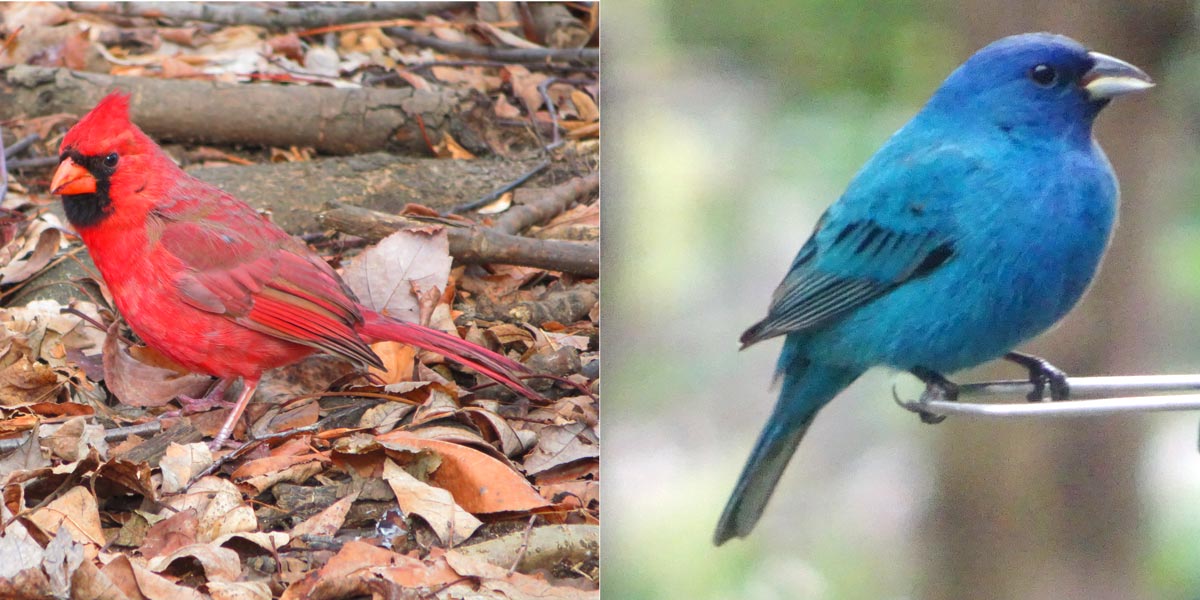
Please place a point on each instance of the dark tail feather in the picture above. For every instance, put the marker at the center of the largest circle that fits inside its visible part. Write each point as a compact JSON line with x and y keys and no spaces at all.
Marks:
{"x":803,"y":394}
{"x":378,"y":328}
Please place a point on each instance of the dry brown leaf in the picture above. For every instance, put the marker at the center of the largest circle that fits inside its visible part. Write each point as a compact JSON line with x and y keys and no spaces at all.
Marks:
{"x":218,"y":503}
{"x":21,"y":557}
{"x":397,"y":361}
{"x":78,"y":512}
{"x":497,"y":206}
{"x":181,"y":463}
{"x":137,"y":581}
{"x":73,"y":439}
{"x":297,"y":473}
{"x":170,"y":534}
{"x":505,"y":109}
{"x":239,"y":590}
{"x":273,"y":464}
{"x":505,"y":38}
{"x":25,"y":382}
{"x":436,"y":506}
{"x":327,"y":522}
{"x":31,"y":252}
{"x":139,"y":384}
{"x":478,"y":482}
{"x":525,"y":86}
{"x":560,"y":445}
{"x":349,"y":572}
{"x":219,"y":564}
{"x":389,"y":276}
{"x":496,"y":580}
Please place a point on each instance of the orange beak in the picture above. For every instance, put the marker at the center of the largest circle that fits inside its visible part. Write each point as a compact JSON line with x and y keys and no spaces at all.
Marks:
{"x":71,"y":179}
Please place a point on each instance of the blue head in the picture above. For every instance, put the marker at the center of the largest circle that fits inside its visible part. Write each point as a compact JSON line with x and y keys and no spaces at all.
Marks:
{"x":1035,"y":83}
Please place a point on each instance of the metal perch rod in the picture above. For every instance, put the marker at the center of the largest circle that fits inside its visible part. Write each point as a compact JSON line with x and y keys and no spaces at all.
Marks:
{"x":1090,"y":396}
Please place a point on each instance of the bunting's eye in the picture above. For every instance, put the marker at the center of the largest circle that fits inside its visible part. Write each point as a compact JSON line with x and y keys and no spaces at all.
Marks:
{"x":110,"y":161}
{"x":1044,"y":75}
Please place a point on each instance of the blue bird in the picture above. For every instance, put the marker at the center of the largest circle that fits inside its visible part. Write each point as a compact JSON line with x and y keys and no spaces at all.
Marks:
{"x":978,"y":225}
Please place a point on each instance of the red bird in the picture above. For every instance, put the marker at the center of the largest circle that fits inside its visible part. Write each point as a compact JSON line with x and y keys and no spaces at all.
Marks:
{"x":206,"y":280}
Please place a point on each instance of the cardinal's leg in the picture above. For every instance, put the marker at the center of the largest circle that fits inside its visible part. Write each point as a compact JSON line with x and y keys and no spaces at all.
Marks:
{"x":234,"y":414}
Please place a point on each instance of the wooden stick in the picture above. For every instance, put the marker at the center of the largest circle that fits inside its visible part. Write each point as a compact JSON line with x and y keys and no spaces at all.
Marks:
{"x":274,"y":17}
{"x":472,"y":243}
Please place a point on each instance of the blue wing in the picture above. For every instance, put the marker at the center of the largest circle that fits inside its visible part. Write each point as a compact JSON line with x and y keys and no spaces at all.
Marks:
{"x":883,"y":232}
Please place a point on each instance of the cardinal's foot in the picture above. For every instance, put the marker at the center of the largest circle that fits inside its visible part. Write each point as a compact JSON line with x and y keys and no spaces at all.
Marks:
{"x":213,"y":399}
{"x":1042,"y":374}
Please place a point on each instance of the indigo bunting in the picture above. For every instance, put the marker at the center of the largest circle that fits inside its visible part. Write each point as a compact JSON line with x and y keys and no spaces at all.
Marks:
{"x":978,"y":225}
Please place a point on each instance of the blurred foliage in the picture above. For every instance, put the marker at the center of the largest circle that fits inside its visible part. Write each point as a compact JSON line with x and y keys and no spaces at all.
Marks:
{"x":876,"y":48}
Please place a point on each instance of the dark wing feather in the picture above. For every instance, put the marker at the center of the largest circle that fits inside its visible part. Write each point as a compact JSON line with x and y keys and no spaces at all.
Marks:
{"x":844,"y":267}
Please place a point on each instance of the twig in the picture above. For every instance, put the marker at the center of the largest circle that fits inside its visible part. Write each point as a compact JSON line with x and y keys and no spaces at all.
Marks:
{"x":497,"y":64}
{"x":20,"y":145}
{"x":584,"y":55}
{"x":490,"y":198}
{"x":39,"y":162}
{"x":474,"y":244}
{"x":524,"y":546}
{"x":547,"y":204}
{"x":1090,"y":396}
{"x":544,"y":90}
{"x":275,"y":17}
{"x":115,"y":434}
{"x":3,"y":168}
{"x":391,"y":23}
{"x":249,"y":445}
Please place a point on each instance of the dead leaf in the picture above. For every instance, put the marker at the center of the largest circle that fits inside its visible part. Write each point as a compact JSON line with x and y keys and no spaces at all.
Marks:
{"x":478,"y":482}
{"x":137,"y":581}
{"x":170,"y":534}
{"x":327,"y":522}
{"x":77,"y":511}
{"x":181,"y":463}
{"x":560,"y":445}
{"x":139,"y":384}
{"x":73,"y":439}
{"x":25,"y":382}
{"x":219,"y":564}
{"x":219,"y":506}
{"x":436,"y":506}
{"x":29,"y":253}
{"x":388,"y":276}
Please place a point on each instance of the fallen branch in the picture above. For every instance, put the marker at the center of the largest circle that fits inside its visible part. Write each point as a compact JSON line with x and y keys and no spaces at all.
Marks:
{"x":564,"y":306}
{"x":472,"y":243}
{"x":538,"y":206}
{"x":264,"y":15}
{"x":543,"y":548}
{"x":510,"y":55}
{"x":331,"y":120}
{"x":116,"y":434}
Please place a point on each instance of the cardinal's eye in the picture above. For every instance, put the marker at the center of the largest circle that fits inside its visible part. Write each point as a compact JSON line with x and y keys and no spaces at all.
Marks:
{"x":110,"y":161}
{"x":1043,"y":75}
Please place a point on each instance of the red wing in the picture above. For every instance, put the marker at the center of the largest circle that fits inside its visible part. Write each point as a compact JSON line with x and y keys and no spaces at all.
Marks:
{"x":248,"y":269}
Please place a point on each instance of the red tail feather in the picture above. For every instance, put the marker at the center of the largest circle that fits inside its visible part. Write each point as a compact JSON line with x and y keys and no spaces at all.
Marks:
{"x":377,"y":328}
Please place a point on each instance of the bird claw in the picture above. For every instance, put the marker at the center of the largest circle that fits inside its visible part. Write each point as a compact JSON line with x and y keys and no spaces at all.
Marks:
{"x":937,"y":388}
{"x":1042,"y":374}
{"x":192,"y":406}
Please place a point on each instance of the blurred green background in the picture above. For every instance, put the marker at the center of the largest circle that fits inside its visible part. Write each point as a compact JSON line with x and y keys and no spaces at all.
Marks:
{"x":734,"y":126}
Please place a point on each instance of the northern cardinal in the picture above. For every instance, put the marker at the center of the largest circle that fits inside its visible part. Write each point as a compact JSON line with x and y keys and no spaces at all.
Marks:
{"x":206,"y":280}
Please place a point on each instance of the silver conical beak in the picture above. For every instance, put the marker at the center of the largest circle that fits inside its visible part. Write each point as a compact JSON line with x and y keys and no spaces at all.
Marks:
{"x":1111,"y":77}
